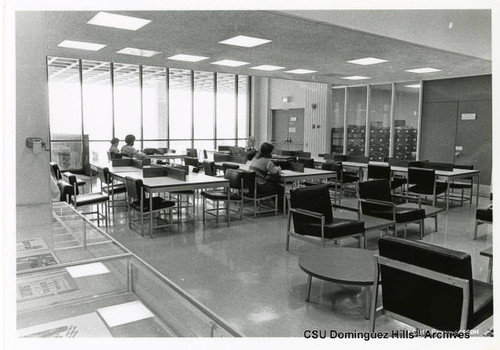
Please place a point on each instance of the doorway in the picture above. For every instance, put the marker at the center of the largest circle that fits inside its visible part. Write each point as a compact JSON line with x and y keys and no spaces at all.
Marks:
{"x":288,"y":129}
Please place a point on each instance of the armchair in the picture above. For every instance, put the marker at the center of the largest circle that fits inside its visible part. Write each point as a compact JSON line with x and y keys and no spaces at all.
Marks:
{"x":483,"y":216}
{"x":428,"y":286}
{"x":423,"y":182}
{"x":313,"y":221}
{"x":376,"y":199}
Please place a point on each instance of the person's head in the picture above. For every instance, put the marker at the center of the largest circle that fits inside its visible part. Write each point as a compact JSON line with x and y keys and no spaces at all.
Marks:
{"x":129,"y":139}
{"x":251,"y":142}
{"x":115,"y":141}
{"x":266,"y":150}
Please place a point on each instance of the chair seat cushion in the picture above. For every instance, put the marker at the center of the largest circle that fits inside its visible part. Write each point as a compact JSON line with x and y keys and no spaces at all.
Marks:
{"x":440,"y":188}
{"x":158,"y":204}
{"x":335,"y":229}
{"x":403,"y":214}
{"x":484,"y":214}
{"x":483,"y":303}
{"x":220,"y":195}
{"x":90,"y":198}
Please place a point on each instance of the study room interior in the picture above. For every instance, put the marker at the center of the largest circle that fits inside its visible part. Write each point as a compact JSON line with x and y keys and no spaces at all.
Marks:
{"x":146,"y":143}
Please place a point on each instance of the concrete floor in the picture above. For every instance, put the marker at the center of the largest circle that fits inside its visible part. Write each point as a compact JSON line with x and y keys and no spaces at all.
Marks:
{"x":244,"y":274}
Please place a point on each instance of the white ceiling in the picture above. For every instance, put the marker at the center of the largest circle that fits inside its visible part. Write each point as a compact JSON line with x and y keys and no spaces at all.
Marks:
{"x":317,"y":40}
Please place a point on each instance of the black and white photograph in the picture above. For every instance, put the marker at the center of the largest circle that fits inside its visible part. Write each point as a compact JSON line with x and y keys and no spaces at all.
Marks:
{"x":277,"y":175}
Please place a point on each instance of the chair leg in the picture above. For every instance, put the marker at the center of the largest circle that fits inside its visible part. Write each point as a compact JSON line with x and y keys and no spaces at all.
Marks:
{"x":475,"y":230}
{"x":435,"y":223}
{"x":422,"y":226}
{"x":373,"y":306}
{"x":203,"y":203}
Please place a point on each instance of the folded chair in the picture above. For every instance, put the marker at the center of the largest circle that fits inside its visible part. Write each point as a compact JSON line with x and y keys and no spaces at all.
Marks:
{"x":429,"y":287}
{"x":313,"y":220}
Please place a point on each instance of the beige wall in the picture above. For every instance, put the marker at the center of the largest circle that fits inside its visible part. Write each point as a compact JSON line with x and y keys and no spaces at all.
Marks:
{"x":32,"y":115}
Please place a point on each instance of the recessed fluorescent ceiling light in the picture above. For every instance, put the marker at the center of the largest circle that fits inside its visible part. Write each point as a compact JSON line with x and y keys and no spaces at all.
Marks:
{"x":118,"y":21}
{"x":82,"y":45}
{"x":267,"y":67}
{"x":355,"y":77}
{"x":367,"y":61}
{"x":230,"y":63}
{"x":423,"y":70}
{"x":187,"y":58}
{"x":138,"y":52}
{"x":244,"y":41}
{"x":300,"y":71}
{"x":415,"y":86}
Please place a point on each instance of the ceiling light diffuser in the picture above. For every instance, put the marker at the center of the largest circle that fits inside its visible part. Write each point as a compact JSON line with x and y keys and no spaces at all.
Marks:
{"x":423,"y":70}
{"x":300,"y":71}
{"x":230,"y":63}
{"x":367,"y":61}
{"x":415,"y":86}
{"x":138,"y":52}
{"x":82,"y":45}
{"x":267,"y":67}
{"x":118,"y":21}
{"x":355,"y":77}
{"x":244,"y":41}
{"x":187,"y":58}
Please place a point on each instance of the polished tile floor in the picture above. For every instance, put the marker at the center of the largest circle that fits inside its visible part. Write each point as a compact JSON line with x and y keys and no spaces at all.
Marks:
{"x":244,"y":274}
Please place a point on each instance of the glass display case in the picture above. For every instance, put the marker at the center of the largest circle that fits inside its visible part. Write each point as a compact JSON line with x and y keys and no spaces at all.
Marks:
{"x":74,"y":280}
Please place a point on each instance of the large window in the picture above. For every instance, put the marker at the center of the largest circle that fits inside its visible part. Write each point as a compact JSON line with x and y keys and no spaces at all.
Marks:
{"x":91,"y":102}
{"x":380,"y":121}
{"x":356,"y":120}
{"x":406,"y":120}
{"x":338,"y":102}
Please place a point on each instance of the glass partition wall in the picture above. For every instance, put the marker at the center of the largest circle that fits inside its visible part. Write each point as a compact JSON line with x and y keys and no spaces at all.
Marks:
{"x":377,"y":121}
{"x":90,"y":102}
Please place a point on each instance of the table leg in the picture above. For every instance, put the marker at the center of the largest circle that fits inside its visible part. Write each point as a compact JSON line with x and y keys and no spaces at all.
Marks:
{"x":447,"y":195}
{"x":284,"y":197}
{"x":477,"y":189}
{"x":151,"y":214}
{"x":366,"y":295}
{"x":309,"y":280}
{"x":490,"y":271}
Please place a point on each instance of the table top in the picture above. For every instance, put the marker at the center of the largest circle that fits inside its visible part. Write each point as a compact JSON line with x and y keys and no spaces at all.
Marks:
{"x":341,"y":265}
{"x":115,"y":169}
{"x":166,"y":155}
{"x":193,"y":181}
{"x":487,"y":252}
{"x":288,"y":174}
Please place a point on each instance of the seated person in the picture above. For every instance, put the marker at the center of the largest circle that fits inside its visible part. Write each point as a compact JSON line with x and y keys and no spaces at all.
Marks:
{"x":129,"y":150}
{"x":114,"y":145}
{"x":250,"y":148}
{"x":265,"y":171}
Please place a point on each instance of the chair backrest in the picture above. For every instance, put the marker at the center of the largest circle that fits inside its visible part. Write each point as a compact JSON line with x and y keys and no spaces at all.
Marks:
{"x":221,"y":157}
{"x":235,"y":179}
{"x":209,"y":168}
{"x":298,"y":167}
{"x":55,"y":170}
{"x":376,"y":171}
{"x":433,"y":303}
{"x":424,"y":178}
{"x":226,"y":166}
{"x":357,"y":159}
{"x":249,"y":185}
{"x":191,"y":161}
{"x":65,"y":189}
{"x":134,"y":188}
{"x":308,"y":162}
{"x":192,"y":152}
{"x":464,"y":166}
{"x":438,"y":166}
{"x":73,"y":182}
{"x":335,"y":157}
{"x":241,"y":159}
{"x":377,"y":190}
{"x":103,"y":174}
{"x":417,"y":163}
{"x":205,"y":154}
{"x":151,"y":151}
{"x":312,"y":198}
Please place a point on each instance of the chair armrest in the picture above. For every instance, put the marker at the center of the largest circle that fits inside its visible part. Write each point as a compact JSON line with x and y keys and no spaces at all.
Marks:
{"x":415,"y":199}
{"x":356,"y":210}
{"x":376,"y":201}
{"x":307,"y":212}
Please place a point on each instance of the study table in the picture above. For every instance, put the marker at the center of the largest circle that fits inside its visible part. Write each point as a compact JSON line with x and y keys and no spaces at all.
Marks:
{"x":288,"y":176}
{"x":447,"y":176}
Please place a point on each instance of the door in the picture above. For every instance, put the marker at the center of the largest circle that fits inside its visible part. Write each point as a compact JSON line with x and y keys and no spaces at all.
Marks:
{"x":288,"y":129}
{"x":439,"y":127}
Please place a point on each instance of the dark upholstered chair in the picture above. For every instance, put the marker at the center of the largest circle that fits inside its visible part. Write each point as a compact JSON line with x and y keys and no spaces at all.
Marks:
{"x":483,"y":216}
{"x":216,"y":196}
{"x":376,"y":172}
{"x":422,"y":182}
{"x":428,"y":286}
{"x":259,"y":200}
{"x":376,"y":200}
{"x":343,"y":178}
{"x":226,"y":166}
{"x":312,"y":215}
{"x":137,"y":201}
{"x":72,"y":196}
{"x":462,"y":185}
{"x":109,"y":187}
{"x":56,"y":171}
{"x":209,"y":168}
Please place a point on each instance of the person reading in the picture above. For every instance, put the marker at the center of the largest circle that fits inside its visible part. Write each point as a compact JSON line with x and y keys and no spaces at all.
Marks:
{"x":129,"y":150}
